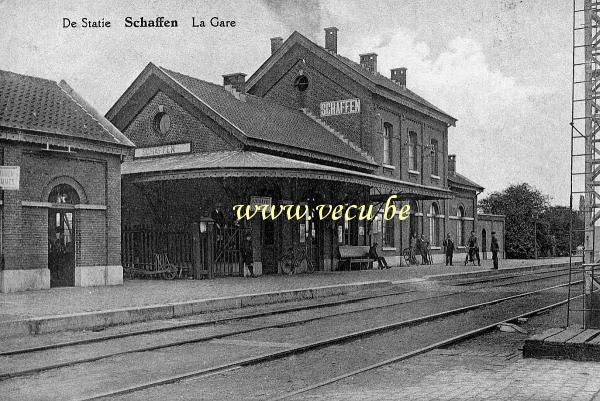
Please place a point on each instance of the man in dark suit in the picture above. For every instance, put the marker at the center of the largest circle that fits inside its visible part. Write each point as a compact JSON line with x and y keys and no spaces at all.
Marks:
{"x":247,"y":254}
{"x":473,"y":250}
{"x":448,"y":249}
{"x":495,"y":248}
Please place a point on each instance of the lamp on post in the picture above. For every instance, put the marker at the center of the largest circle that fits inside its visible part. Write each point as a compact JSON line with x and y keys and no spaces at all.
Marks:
{"x":205,"y":227}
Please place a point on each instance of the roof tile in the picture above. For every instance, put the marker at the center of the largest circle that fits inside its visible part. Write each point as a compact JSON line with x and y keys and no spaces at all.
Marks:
{"x":38,"y":104}
{"x":261,"y":119}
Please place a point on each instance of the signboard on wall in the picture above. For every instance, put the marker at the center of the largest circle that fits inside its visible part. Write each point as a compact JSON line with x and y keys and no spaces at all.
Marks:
{"x":260,"y":201}
{"x":338,"y":107}
{"x":164,"y":150}
{"x":9,"y":178}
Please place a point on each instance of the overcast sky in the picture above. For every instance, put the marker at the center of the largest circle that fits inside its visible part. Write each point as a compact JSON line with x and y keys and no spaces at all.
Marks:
{"x":501,"y":67}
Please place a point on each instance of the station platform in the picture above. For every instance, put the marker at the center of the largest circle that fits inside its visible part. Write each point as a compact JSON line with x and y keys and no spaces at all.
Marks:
{"x":78,"y":308}
{"x":564,"y":343}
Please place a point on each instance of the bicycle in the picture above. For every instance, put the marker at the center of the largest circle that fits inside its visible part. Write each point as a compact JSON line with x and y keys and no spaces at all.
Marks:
{"x":409,"y":257}
{"x":291,"y":260}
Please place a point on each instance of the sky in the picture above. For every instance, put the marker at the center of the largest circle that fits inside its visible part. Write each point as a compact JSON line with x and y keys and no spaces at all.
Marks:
{"x":501,"y":67}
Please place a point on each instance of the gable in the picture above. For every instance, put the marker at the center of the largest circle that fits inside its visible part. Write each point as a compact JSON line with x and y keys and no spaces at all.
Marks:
{"x":373,"y":82}
{"x":325,"y":84}
{"x":184,"y":128}
{"x":247,"y":122}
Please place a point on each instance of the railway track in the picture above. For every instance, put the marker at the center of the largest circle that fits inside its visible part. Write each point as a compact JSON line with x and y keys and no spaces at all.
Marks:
{"x":276,"y":311}
{"x":346,"y":338}
{"x":399,"y":358}
{"x":293,"y":350}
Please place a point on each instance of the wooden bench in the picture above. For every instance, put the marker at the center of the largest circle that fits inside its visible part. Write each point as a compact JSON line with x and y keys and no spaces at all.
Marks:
{"x":355,"y":254}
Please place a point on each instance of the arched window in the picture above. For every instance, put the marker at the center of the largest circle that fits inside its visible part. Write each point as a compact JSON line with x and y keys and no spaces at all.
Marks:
{"x":434,"y":226}
{"x":64,"y":193}
{"x":412,"y":151}
{"x":460,"y":226}
{"x":388,"y":130}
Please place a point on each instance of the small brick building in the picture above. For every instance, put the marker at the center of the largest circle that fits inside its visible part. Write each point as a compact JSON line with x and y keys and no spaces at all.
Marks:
{"x":61,"y":227}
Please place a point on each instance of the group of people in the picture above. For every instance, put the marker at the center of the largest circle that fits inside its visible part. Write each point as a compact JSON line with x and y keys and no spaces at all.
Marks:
{"x":473,"y":250}
{"x":420,"y":246}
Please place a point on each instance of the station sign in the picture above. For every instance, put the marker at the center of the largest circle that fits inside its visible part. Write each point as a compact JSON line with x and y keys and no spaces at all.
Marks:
{"x":339,"y":107}
{"x":260,"y":201}
{"x":165,"y":150}
{"x":9,"y":178}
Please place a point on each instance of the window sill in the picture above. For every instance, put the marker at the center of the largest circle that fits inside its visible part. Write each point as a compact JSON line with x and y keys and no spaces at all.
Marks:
{"x":388,"y":166}
{"x":435,"y":177}
{"x":389,"y":248}
{"x":413,"y":172}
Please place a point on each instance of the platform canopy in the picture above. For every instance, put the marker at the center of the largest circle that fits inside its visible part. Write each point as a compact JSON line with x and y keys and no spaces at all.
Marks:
{"x":255,"y":164}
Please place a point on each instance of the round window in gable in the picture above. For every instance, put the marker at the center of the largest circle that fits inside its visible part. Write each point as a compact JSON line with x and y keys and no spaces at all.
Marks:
{"x":301,"y":83}
{"x":162,"y":123}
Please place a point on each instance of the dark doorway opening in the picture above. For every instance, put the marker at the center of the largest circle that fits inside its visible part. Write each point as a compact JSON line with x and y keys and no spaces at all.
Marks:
{"x":61,"y":235}
{"x":61,"y":247}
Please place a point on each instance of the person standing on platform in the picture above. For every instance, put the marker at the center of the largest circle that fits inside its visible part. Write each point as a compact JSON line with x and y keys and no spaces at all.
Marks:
{"x":419,"y":248}
{"x":247,"y":254}
{"x":424,"y":245}
{"x":495,"y":248}
{"x":473,"y":249}
{"x":413,"y":249}
{"x":448,"y":249}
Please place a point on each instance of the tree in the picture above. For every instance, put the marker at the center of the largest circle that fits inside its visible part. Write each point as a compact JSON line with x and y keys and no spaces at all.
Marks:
{"x":558,"y":219}
{"x":520,"y":203}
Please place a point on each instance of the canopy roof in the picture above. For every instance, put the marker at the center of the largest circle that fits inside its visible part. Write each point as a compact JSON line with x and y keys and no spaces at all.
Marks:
{"x":238,"y":163}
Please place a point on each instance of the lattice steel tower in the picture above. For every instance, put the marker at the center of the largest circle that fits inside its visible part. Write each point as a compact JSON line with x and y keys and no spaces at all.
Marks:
{"x":584,"y":306}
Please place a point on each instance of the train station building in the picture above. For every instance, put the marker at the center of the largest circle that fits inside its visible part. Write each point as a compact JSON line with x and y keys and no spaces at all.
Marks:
{"x":60,"y":175}
{"x":308,"y":127}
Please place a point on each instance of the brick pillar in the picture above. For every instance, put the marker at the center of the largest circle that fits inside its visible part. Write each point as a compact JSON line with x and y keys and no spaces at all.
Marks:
{"x":12,"y":215}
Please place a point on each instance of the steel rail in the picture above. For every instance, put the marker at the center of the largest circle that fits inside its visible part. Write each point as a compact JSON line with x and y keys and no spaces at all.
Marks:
{"x":174,"y":327}
{"x":503,"y":277}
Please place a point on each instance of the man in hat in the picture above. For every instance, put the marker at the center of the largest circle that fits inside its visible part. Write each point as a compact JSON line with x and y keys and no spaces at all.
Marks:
{"x":473,"y":250}
{"x":381,"y":262}
{"x":247,"y":256}
{"x":448,"y":249}
{"x":495,"y":248}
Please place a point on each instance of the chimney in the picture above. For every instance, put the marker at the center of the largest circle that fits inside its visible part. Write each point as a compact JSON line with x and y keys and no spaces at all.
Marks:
{"x":369,"y":61}
{"x":451,"y":164}
{"x":331,"y":39}
{"x":236,"y":80}
{"x":276,"y":44}
{"x":399,"y":76}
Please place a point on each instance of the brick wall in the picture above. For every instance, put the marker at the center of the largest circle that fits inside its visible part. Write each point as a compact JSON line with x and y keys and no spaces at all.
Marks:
{"x":25,"y":228}
{"x":35,"y":238}
{"x":39,"y":169}
{"x":91,"y":230}
{"x":325,"y":83}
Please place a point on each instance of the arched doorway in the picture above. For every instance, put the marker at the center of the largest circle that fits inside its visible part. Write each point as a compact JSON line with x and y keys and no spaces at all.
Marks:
{"x":61,"y":235}
{"x":484,"y":243}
